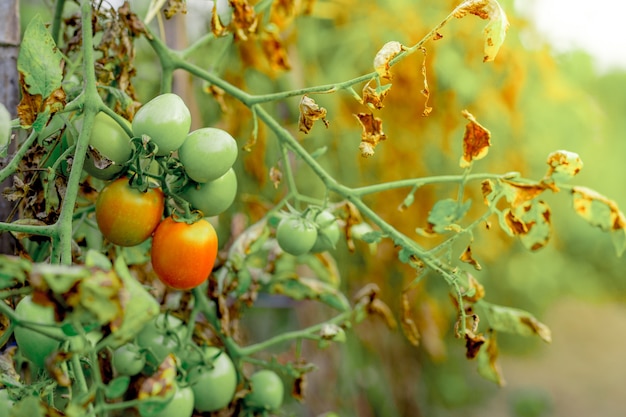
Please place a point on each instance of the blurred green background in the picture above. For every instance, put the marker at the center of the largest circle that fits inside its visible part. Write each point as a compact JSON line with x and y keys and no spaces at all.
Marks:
{"x":534,"y":102}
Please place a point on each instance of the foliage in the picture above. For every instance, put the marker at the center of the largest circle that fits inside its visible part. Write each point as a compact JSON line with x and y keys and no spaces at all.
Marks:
{"x":386,"y":153}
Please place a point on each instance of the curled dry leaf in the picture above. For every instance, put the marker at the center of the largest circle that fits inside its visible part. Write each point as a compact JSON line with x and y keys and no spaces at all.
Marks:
{"x":495,"y":31}
{"x":408,"y":324}
{"x":425,"y":90}
{"x":384,"y":56}
{"x":467,"y":257}
{"x":373,"y":97}
{"x":372,"y":133}
{"x":310,"y":111}
{"x":245,"y":20}
{"x":488,"y":365}
{"x":173,"y":7}
{"x":476,"y":141}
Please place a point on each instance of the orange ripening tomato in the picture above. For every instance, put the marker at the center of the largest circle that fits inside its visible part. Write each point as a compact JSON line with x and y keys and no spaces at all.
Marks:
{"x":183,"y":254}
{"x":127,"y":216}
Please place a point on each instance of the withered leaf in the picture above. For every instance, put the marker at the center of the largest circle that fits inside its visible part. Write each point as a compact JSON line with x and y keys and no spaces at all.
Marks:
{"x":475,"y":290}
{"x":563,"y":165}
{"x":245,"y":21}
{"x":384,"y":56}
{"x":161,"y":383}
{"x":467,"y":257}
{"x":531,"y":222}
{"x":476,"y":141}
{"x":274,"y":51}
{"x":173,"y":7}
{"x":276,"y":176}
{"x":425,"y":90}
{"x":517,"y":193}
{"x":310,"y":111}
{"x":373,"y":97}
{"x":408,"y":324}
{"x":217,"y":27}
{"x":597,"y":209}
{"x":372,"y":133}
{"x":473,"y":343}
{"x":495,"y":31}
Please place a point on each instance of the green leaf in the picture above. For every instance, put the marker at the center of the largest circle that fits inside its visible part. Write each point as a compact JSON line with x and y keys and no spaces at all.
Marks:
{"x":13,"y":271}
{"x":513,"y":320}
{"x":445,"y":213}
{"x":301,"y":288}
{"x":372,"y":237}
{"x":5,"y":130}
{"x":30,"y":406}
{"x":117,"y":387}
{"x":39,"y":60}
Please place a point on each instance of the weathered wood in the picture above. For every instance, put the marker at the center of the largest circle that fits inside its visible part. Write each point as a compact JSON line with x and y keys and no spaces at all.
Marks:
{"x":9,"y":92}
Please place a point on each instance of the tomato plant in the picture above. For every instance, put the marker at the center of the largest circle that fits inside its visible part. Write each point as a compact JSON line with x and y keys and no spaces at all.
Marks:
{"x":33,"y":345}
{"x":166,"y":120}
{"x":213,"y":197}
{"x":328,"y":232}
{"x":181,"y":404}
{"x":296,"y":235}
{"x":213,"y":384}
{"x":266,"y":390}
{"x":183,"y":254}
{"x":111,"y":147}
{"x":208,"y":153}
{"x":127,"y":216}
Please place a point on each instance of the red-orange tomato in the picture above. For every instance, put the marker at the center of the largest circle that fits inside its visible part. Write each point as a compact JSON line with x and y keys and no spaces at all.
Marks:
{"x":183,"y":254}
{"x":127,"y":216}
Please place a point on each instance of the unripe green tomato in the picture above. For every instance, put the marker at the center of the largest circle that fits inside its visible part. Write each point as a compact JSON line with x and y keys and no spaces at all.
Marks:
{"x":213,"y":197}
{"x":296,"y":235}
{"x":161,"y":337}
{"x":33,"y":345}
{"x":207,"y":154}
{"x":5,"y":127}
{"x":128,"y":360}
{"x":166,"y":119}
{"x":266,"y":391}
{"x":111,"y":141}
{"x":328,"y":232}
{"x":5,"y":403}
{"x":181,"y":404}
{"x":213,"y":387}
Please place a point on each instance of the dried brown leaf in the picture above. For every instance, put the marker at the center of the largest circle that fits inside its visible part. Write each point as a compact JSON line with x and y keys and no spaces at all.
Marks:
{"x":373,"y":97}
{"x":245,"y":20}
{"x":384,"y":56}
{"x":372,"y":133}
{"x":408,"y":324}
{"x":174,"y":7}
{"x":467,"y":257}
{"x":310,"y":111}
{"x":274,"y":51}
{"x":476,"y":141}
{"x":473,"y":343}
{"x":425,"y":90}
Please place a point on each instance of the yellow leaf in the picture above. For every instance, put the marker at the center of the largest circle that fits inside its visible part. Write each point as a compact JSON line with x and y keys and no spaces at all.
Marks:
{"x":372,"y":133}
{"x":310,"y":111}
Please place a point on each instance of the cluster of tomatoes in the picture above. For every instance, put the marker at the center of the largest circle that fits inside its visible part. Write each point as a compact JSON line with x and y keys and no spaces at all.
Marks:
{"x":184,"y":248}
{"x":210,"y":381}
{"x":313,"y":231}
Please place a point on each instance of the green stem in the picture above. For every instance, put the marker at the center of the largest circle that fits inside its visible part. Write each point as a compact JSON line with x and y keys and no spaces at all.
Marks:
{"x":92,"y":106}
{"x":10,"y":168}
{"x":419,"y":182}
{"x":56,"y":20}
{"x":307,"y":333}
{"x":29,"y":229}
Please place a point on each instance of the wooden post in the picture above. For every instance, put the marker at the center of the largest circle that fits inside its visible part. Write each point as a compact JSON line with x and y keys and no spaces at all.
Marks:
{"x":9,"y":93}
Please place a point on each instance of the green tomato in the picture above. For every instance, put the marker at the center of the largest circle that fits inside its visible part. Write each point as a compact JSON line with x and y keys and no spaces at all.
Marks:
{"x":5,"y":403}
{"x":213,"y":197}
{"x":166,"y":120}
{"x":328,"y":232}
{"x":5,"y":128}
{"x":33,"y":345}
{"x":266,"y":391}
{"x":128,"y":359}
{"x":207,"y":154}
{"x":111,"y":141}
{"x":213,"y":386}
{"x":160,"y":337}
{"x":296,"y":235}
{"x":181,"y":404}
